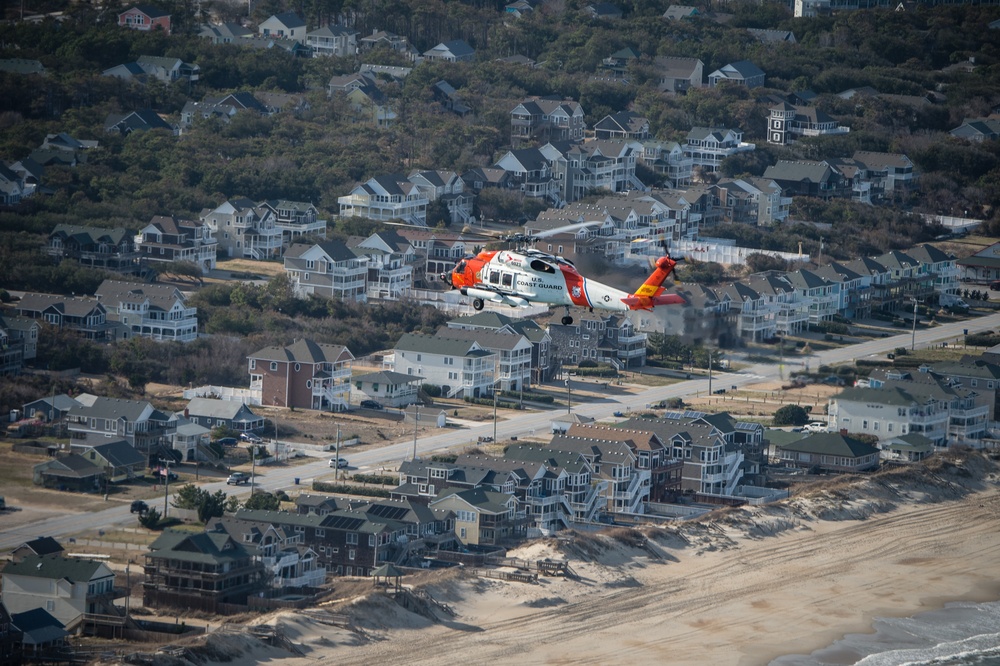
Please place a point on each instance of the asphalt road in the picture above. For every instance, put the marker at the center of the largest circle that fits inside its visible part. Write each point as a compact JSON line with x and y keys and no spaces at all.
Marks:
{"x":274,"y":478}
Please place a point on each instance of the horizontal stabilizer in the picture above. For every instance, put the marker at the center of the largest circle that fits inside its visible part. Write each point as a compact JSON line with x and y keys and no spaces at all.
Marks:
{"x":649,"y":302}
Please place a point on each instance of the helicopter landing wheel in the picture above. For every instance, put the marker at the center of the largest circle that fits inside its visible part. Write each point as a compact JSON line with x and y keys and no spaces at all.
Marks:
{"x":567,"y":320}
{"x":478,"y":304}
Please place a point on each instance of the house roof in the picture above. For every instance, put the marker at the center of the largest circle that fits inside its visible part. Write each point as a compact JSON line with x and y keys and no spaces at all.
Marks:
{"x":482,"y":499}
{"x":119,"y":453}
{"x":304,"y":351}
{"x":43,"y":546}
{"x":912,"y":441}
{"x":220,"y":409}
{"x":743,"y":69}
{"x":54,"y":567}
{"x":799,"y":171}
{"x":432,"y":344}
{"x":21,"y":66}
{"x":39,"y":626}
{"x":73,"y":466}
{"x":456,"y":47}
{"x":151,"y":11}
{"x":289,"y":19}
{"x":386,"y":377}
{"x":831,"y":444}
{"x":112,"y":408}
{"x":202,"y":547}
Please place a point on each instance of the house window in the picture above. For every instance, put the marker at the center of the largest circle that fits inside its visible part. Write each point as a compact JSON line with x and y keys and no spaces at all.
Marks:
{"x":253,"y":364}
{"x":297,"y":367}
{"x":309,"y":383}
{"x":320,"y":533}
{"x":274,"y":366}
{"x":352,"y":538}
{"x":461,"y":534}
{"x":371,"y":539}
{"x":351,"y":553}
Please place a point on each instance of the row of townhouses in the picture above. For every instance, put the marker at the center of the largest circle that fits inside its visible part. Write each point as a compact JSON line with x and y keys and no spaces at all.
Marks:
{"x":773,"y":304}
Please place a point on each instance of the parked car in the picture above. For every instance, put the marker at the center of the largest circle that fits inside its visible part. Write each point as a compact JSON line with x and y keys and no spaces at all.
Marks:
{"x":250,"y":437}
{"x":227,"y":441}
{"x":619,"y":414}
{"x":815,"y":426}
{"x":140,"y":507}
{"x":370,"y":404}
{"x":238,"y":478}
{"x":161,"y":472}
{"x":339,"y":463}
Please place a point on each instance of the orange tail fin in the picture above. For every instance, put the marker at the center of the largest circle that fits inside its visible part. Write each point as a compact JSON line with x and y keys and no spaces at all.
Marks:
{"x":653,"y":286}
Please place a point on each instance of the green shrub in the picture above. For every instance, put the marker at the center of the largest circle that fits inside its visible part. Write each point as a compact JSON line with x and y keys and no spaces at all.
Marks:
{"x":345,"y":489}
{"x":432,"y":390}
{"x":376,"y":479}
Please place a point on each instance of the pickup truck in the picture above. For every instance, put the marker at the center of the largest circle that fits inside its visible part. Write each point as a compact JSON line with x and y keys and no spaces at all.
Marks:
{"x":238,"y":478}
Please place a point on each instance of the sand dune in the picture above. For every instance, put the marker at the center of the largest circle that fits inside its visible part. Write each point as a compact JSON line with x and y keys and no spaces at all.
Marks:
{"x":718,"y":592}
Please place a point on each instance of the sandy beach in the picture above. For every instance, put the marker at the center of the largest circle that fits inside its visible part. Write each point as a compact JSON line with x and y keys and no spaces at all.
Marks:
{"x":744,"y":588}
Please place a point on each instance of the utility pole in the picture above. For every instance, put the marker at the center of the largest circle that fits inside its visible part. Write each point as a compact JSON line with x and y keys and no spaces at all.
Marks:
{"x":709,"y":371}
{"x":913,"y":336}
{"x":336,"y":472}
{"x":253,"y":466}
{"x":416,"y":422}
{"x":569,"y":396}
{"x":166,"y":485}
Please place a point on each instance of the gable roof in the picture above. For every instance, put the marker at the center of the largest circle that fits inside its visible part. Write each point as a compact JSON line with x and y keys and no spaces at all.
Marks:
{"x":54,"y":567}
{"x":304,"y":351}
{"x":119,"y":453}
{"x":43,"y":546}
{"x":203,"y":547}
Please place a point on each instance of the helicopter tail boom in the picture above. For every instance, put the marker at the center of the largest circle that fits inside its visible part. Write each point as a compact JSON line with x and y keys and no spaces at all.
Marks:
{"x":650,"y":294}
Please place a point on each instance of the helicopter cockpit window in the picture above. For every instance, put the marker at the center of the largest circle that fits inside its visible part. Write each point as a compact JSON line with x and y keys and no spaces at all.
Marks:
{"x":461,"y":267}
{"x":495,"y":277}
{"x":541,"y":266}
{"x":508,"y":280}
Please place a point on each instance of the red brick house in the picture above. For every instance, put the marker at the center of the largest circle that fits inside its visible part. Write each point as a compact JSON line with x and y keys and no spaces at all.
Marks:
{"x":145,"y":17}
{"x":305,"y":374}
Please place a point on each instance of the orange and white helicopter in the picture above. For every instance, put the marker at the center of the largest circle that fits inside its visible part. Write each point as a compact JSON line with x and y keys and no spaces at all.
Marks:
{"x":531,"y":276}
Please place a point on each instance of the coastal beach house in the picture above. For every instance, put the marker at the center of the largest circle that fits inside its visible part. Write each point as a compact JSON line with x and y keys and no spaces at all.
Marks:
{"x":198,"y":571}
{"x":677,"y":75}
{"x":327,"y":269}
{"x":667,"y":158}
{"x":436,"y":252}
{"x":333,"y":40}
{"x":500,"y":323}
{"x":742,"y":72}
{"x":829,"y":451}
{"x":785,"y":122}
{"x":21,"y":332}
{"x":244,"y":229}
{"x":167,"y":70}
{"x":40,"y":636}
{"x":12,"y":350}
{"x":622,"y":125}
{"x":455,"y":50}
{"x":191,"y":441}
{"x":295,"y":218}
{"x":708,"y":146}
{"x":136,"y":421}
{"x":391,"y":262}
{"x":86,"y":317}
{"x":286,"y":25}
{"x":382,"y":39}
{"x":145,"y":17}
{"x":613,"y":461}
{"x":447,"y":188}
{"x":169,"y":239}
{"x":809,"y":178}
{"x":482,"y":517}
{"x":385,"y":198}
{"x":941,"y":265}
{"x":72,"y":473}
{"x":227,"y":414}
{"x":67,"y":588}
{"x":925,"y":403}
{"x":513,"y":352}
{"x":141,"y":120}
{"x":225,"y":33}
{"x":287,"y":561}
{"x":119,"y":459}
{"x":347,"y":541}
{"x":155,"y":311}
{"x":107,"y":249}
{"x":37,"y":546}
{"x":657,"y":470}
{"x":305,"y":375}
{"x":543,"y":119}
{"x":602,"y":338}
{"x":389,"y":389}
{"x":462,"y":368}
